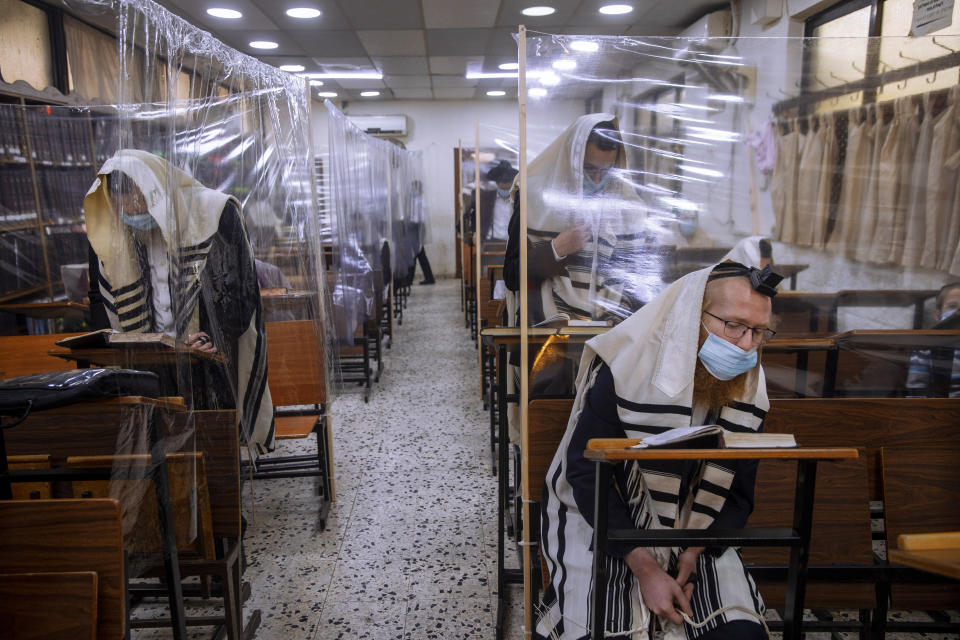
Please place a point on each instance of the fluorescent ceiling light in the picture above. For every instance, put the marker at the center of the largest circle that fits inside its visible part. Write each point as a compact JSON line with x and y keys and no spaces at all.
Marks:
{"x":538,"y":11}
{"x":496,"y":93}
{"x":226,"y":14}
{"x":537,"y":92}
{"x":549,"y":78}
{"x":480,"y":75}
{"x":509,"y":66}
{"x":303,"y":12}
{"x":264,"y":44}
{"x":565,"y":64}
{"x":615,"y":9}
{"x":316,"y":83}
{"x":345,"y":75}
{"x":584,"y":46}
{"x":369,"y":94}
{"x":725,"y":97}
{"x":292,"y":68}
{"x":327,"y":94}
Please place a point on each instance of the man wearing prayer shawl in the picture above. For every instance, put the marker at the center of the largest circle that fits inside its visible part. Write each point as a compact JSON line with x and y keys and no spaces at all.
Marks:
{"x":591,"y":243}
{"x":689,"y":357}
{"x":169,"y":255}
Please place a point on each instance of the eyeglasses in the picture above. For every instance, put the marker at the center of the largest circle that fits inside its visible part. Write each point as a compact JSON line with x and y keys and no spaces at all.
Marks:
{"x":735,"y":330}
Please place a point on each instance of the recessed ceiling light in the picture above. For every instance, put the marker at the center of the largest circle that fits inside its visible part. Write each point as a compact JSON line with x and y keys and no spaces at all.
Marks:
{"x":292,"y":68}
{"x":345,"y":75}
{"x":549,"y":78}
{"x":509,"y":66}
{"x":316,"y":83}
{"x":369,"y":94}
{"x":496,"y":93}
{"x":303,"y":12}
{"x":616,"y":9}
{"x":538,"y":11}
{"x":264,"y":44}
{"x":327,"y":94}
{"x":226,"y":14}
{"x":537,"y":92}
{"x":565,"y":64}
{"x":584,"y":46}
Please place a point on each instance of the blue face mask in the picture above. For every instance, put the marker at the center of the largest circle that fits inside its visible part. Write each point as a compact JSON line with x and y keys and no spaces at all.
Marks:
{"x":503,"y":193}
{"x":725,"y":360}
{"x":687,"y":226}
{"x":141,"y":222}
{"x":946,"y":314}
{"x":591,"y":188}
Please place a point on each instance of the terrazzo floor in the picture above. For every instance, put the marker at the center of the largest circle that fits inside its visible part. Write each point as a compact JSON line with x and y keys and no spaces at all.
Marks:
{"x":410,"y":546}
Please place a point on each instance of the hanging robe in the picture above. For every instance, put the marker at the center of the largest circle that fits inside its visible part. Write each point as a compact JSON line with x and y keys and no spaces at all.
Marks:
{"x":808,"y":184}
{"x":939,"y":191}
{"x":868,"y":217}
{"x":856,"y":178}
{"x":914,"y":239}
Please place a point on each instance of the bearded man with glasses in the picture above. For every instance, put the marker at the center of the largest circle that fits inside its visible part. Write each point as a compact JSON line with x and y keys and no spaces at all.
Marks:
{"x":689,"y":357}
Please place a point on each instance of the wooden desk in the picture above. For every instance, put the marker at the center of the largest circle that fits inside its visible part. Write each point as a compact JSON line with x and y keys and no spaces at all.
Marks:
{"x":888,"y":298}
{"x":605,"y":452}
{"x":135,"y":356}
{"x":96,"y":425}
{"x":945,"y":562}
{"x":802,"y":349}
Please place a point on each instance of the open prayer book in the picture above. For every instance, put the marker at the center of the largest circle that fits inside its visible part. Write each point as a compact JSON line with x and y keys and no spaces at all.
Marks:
{"x":561,"y":320}
{"x":711,"y":436}
{"x":113,"y":338}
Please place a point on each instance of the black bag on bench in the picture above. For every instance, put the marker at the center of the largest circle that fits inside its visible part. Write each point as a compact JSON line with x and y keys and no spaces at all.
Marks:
{"x":20,"y":396}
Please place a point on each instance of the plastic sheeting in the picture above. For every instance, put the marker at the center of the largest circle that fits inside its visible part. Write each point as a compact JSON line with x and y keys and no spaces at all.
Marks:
{"x":706,"y":151}
{"x":377,"y":220}
{"x":198,"y":202}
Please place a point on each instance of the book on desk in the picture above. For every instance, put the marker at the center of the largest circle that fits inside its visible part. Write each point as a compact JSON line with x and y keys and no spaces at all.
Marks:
{"x":711,"y":436}
{"x":113,"y":338}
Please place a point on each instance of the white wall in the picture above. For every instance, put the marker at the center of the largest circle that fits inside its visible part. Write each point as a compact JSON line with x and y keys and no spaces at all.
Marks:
{"x":435,"y":127}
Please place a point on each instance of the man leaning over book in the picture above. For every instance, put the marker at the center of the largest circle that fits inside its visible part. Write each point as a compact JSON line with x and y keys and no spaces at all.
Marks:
{"x":169,"y":255}
{"x":689,"y":357}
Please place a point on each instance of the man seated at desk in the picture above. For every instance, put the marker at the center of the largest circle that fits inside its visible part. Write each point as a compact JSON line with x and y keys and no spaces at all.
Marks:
{"x":920,"y":377}
{"x":168,"y":255}
{"x":689,"y":357}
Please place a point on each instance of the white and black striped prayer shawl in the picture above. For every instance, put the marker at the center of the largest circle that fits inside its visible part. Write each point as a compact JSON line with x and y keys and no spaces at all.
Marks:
{"x":594,"y":283}
{"x":652,"y":356}
{"x":188,"y":215}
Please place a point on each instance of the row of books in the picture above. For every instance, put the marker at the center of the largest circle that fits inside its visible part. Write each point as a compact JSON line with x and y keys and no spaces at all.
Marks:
{"x":56,"y":137}
{"x":21,"y":261}
{"x":60,"y":190}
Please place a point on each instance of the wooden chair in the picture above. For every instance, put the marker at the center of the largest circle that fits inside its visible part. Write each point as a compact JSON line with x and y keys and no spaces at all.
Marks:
{"x":921,"y":486}
{"x":31,"y":490}
{"x":547,"y":421}
{"x":35,"y":606}
{"x":840,"y":541}
{"x":297,"y":377}
{"x":188,"y":492}
{"x":62,"y":538}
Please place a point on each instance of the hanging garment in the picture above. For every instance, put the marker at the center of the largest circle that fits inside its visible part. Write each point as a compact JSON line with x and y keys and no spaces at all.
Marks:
{"x":909,"y":132}
{"x":951,"y":173}
{"x":868,"y":216}
{"x":939,"y":191}
{"x":914,"y":238}
{"x":808,"y":183}
{"x":856,"y":178}
{"x":764,"y":144}
{"x":828,"y":168}
{"x":784,"y":189}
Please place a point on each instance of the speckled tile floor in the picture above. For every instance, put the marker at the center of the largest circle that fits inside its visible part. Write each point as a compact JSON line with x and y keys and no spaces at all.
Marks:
{"x":410,"y":547}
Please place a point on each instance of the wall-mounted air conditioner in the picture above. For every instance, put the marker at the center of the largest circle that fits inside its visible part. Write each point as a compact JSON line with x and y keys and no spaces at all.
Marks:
{"x":385,"y":126}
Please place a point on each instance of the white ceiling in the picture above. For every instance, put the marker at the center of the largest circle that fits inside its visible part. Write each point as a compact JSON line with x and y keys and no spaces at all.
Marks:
{"x":423,"y":47}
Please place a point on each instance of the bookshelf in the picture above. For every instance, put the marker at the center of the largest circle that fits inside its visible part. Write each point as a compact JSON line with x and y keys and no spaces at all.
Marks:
{"x":48,"y":160}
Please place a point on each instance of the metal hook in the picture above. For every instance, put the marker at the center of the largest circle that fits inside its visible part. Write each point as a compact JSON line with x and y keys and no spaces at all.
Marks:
{"x":909,"y":58}
{"x":941,"y":45}
{"x":933,"y":79}
{"x":904,"y":85}
{"x":836,"y":77}
{"x":857,"y":69}
{"x":817,"y":78}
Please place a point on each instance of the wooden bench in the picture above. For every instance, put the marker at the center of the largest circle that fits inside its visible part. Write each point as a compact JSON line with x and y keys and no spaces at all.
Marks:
{"x":297,"y":377}
{"x":64,"y":537}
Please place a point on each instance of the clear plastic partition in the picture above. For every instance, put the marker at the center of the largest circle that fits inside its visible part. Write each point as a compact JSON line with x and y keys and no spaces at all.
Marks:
{"x":833,"y":161}
{"x":191,"y":201}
